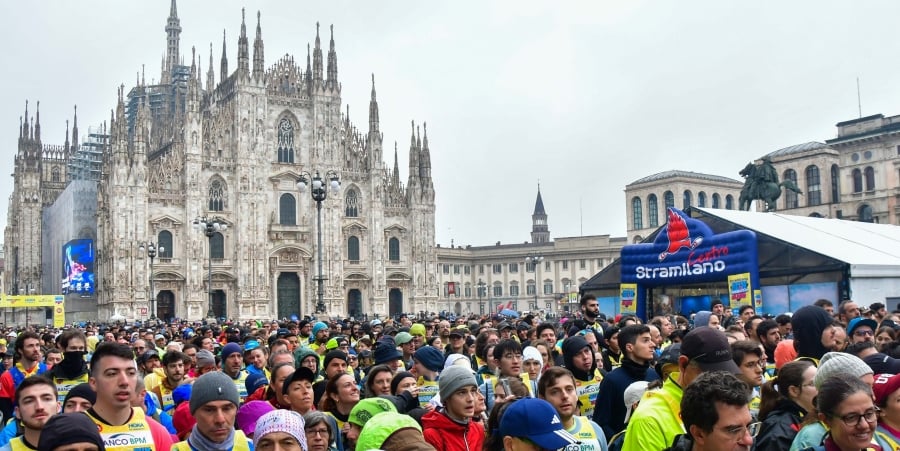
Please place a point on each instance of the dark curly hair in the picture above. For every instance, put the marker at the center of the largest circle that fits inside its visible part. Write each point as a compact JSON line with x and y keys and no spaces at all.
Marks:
{"x":698,"y":405}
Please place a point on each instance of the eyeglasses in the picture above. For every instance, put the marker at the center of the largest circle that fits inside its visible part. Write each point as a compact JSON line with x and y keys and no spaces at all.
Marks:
{"x":738,"y":432}
{"x":511,"y":356}
{"x":853,"y":419}
{"x":756,"y":364}
{"x":863,"y":333}
{"x":315,"y":432}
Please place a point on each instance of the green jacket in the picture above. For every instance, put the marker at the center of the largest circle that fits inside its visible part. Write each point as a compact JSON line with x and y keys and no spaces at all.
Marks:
{"x":657,"y":420}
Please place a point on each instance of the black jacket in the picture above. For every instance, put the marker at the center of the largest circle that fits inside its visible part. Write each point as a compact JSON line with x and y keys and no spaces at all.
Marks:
{"x":780,"y":427}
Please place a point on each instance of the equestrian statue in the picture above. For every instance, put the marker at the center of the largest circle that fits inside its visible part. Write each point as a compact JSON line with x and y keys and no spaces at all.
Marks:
{"x":762,"y":183}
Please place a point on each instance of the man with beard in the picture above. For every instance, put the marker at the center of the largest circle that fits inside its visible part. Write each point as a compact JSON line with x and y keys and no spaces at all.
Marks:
{"x":320,"y":334}
{"x":590,"y":311}
{"x":72,"y":370}
{"x":174,"y":368}
{"x":557,"y":386}
{"x":638,"y":351}
{"x":28,"y":363}
{"x":233,"y":367}
{"x":305,"y":330}
{"x":769,"y":335}
{"x":36,"y":402}
{"x":578,"y":357}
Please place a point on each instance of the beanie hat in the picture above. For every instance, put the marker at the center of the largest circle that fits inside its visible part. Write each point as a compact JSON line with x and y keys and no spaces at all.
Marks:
{"x":281,"y":420}
{"x":182,"y":393}
{"x":334,"y":355}
{"x":205,"y":358}
{"x":248,"y":415}
{"x":254,"y":381}
{"x":395,"y":382}
{"x":318,"y":327}
{"x":231,"y":348}
{"x":367,"y":408}
{"x":452,"y":359}
{"x":808,"y":323}
{"x":430,"y":358}
{"x":213,"y":386}
{"x":417,"y":329}
{"x":68,"y":429}
{"x":386,"y":351}
{"x":380,"y":427}
{"x":81,"y":391}
{"x":701,"y":318}
{"x":885,"y":384}
{"x":532,"y":353}
{"x":454,"y":378}
{"x":182,"y":420}
{"x":840,"y":364}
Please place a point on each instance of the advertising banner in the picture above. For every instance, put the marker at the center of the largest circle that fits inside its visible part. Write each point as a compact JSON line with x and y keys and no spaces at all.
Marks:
{"x":628,"y":298}
{"x":739,"y":290}
{"x":78,"y":267}
{"x":57,"y":302}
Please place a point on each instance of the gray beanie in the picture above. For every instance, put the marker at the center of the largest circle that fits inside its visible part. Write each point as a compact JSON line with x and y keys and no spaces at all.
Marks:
{"x":454,"y":378}
{"x":205,"y":358}
{"x":840,"y":364}
{"x":213,"y":386}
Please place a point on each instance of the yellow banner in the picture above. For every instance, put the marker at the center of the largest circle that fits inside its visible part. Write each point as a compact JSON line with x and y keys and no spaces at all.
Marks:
{"x":628,"y":298}
{"x":739,"y":289}
{"x":757,"y":300}
{"x":56,"y":301}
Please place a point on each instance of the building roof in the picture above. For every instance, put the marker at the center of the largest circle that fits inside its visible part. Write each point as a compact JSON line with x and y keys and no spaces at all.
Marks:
{"x":686,"y":174}
{"x":539,"y":204}
{"x":797,"y":148}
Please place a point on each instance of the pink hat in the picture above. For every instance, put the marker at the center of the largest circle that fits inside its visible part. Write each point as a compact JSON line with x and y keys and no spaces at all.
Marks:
{"x":885,"y":384}
{"x":249,"y":413}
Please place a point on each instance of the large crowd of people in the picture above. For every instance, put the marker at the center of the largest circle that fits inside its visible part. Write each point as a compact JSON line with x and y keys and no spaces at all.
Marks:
{"x":823,"y":378}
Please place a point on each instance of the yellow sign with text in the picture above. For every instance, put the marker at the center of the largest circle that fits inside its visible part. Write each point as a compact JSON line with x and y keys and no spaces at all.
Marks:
{"x":628,"y":298}
{"x":55,"y":301}
{"x":739,"y":290}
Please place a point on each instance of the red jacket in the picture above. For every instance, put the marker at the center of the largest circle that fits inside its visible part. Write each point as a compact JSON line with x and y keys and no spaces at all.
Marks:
{"x":448,"y":435}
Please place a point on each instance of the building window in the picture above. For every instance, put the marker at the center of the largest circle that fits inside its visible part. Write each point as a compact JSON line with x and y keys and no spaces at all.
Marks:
{"x":530,"y":288}
{"x":217,"y":246}
{"x":446,"y":268}
{"x":790,"y":197}
{"x":218,"y":197}
{"x":164,"y":244}
{"x":468,"y":289}
{"x":653,"y":210}
{"x":497,"y":268}
{"x":285,"y":141}
{"x":548,"y":287}
{"x":582,"y":263}
{"x":701,"y":199}
{"x":455,"y":269}
{"x":498,"y":289}
{"x":813,"y":186}
{"x":857,"y":181}
{"x":287,"y":207}
{"x":480,"y":269}
{"x":54,"y":175}
{"x":835,"y":184}
{"x":513,"y":290}
{"x":870,"y":178}
{"x":529,"y":266}
{"x":467,"y":270}
{"x":565,"y":264}
{"x":865,"y":214}
{"x":394,"y":250}
{"x":546,"y":266}
{"x":351,"y":204}
{"x":729,"y":202}
{"x":447,"y":289}
{"x":513,"y":267}
{"x":715,"y":200}
{"x":637,"y":213}
{"x":669,"y":199}
{"x":353,"y":249}
{"x":688,"y":199}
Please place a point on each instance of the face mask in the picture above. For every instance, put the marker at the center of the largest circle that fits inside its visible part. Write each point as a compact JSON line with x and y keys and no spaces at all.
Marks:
{"x":73,"y":361}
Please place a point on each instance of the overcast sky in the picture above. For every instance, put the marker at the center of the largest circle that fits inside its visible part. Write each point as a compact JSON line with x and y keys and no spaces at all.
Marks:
{"x":584,"y":96}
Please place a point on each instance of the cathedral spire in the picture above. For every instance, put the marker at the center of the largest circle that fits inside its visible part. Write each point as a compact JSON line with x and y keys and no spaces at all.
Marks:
{"x":66,"y":145}
{"x":332,"y":62}
{"x":540,"y":233}
{"x":243,"y":46}
{"x":25,"y":130}
{"x":210,"y":75}
{"x":413,"y":153}
{"x":173,"y":36}
{"x":317,"y":57}
{"x":373,"y":110}
{"x":224,"y":66}
{"x":425,"y":157}
{"x":396,"y":167}
{"x":258,"y":55}
{"x":75,"y":128}
{"x":37,"y":123}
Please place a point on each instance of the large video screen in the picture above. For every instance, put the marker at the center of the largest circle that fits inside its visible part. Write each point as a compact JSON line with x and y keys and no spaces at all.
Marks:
{"x":78,"y":267}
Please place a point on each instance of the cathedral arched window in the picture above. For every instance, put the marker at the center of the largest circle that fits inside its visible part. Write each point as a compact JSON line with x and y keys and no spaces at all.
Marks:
{"x":716,"y":200}
{"x":285,"y":141}
{"x":729,"y":202}
{"x":701,"y":199}
{"x":287,"y":209}
{"x":870,"y":178}
{"x":394,"y":250}
{"x":857,"y":181}
{"x":669,"y":199}
{"x":218,"y":197}
{"x":351,"y":203}
{"x":790,"y":197}
{"x":653,"y":210}
{"x":637,"y":213}
{"x":164,"y":240}
{"x":835,"y":184}
{"x":353,"y":249}
{"x":217,"y":246}
{"x":54,"y":175}
{"x":688,"y":199}
{"x":813,"y":186}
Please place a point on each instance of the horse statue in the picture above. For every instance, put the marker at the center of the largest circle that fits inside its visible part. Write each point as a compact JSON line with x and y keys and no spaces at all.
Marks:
{"x":762,"y":183}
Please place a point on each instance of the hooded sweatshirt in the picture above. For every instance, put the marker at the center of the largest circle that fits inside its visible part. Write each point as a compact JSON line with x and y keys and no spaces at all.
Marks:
{"x":445,"y":434}
{"x":701,"y":318}
{"x":587,"y":383}
{"x":808,"y":323}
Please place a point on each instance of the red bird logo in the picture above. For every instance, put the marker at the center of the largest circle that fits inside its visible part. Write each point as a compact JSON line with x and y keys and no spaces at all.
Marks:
{"x":678,"y":234}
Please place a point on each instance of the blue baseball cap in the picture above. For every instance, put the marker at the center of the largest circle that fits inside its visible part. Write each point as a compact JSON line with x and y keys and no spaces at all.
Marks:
{"x":860,"y":321}
{"x":535,"y":420}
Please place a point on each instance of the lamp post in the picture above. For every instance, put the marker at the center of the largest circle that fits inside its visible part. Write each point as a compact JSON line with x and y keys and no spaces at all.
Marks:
{"x":480,"y":294}
{"x":535,"y":258}
{"x":209,"y":227}
{"x":319,"y":194}
{"x":151,"y":249}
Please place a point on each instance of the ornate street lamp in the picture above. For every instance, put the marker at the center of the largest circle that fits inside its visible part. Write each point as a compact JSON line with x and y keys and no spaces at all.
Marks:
{"x":209,"y":227}
{"x":151,"y":249}
{"x":535,"y":259}
{"x":480,"y":295}
{"x":319,"y":194}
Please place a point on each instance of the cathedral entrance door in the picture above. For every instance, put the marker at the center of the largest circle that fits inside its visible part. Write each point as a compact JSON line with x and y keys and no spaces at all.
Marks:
{"x":288,"y":295}
{"x":395,"y":302}
{"x":165,"y":305}
{"x":354,"y":303}
{"x":219,"y":304}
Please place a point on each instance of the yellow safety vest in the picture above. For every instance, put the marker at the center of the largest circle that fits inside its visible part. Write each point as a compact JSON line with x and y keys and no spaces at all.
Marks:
{"x":18,"y":444}
{"x":427,"y":391}
{"x":241,"y":443}
{"x":135,"y":435}
{"x":64,"y":386}
{"x":166,"y":398}
{"x":587,"y":392}
{"x":241,"y":384}
{"x":584,"y":432}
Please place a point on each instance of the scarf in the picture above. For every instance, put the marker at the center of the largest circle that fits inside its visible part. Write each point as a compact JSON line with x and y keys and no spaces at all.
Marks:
{"x":198,"y":441}
{"x":635,"y":370}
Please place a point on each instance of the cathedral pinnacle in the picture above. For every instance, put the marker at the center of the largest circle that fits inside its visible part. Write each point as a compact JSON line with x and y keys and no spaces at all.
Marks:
{"x":75,"y":128}
{"x":373,"y":110}
{"x":210,"y":75}
{"x":243,"y":46}
{"x":396,"y":167}
{"x":173,"y":36}
{"x":317,"y":57}
{"x":224,"y":65}
{"x":332,"y":62}
{"x":37,"y":124}
{"x":258,"y":58}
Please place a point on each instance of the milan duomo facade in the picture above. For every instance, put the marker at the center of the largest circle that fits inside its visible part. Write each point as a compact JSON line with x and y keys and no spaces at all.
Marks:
{"x":233,"y":147}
